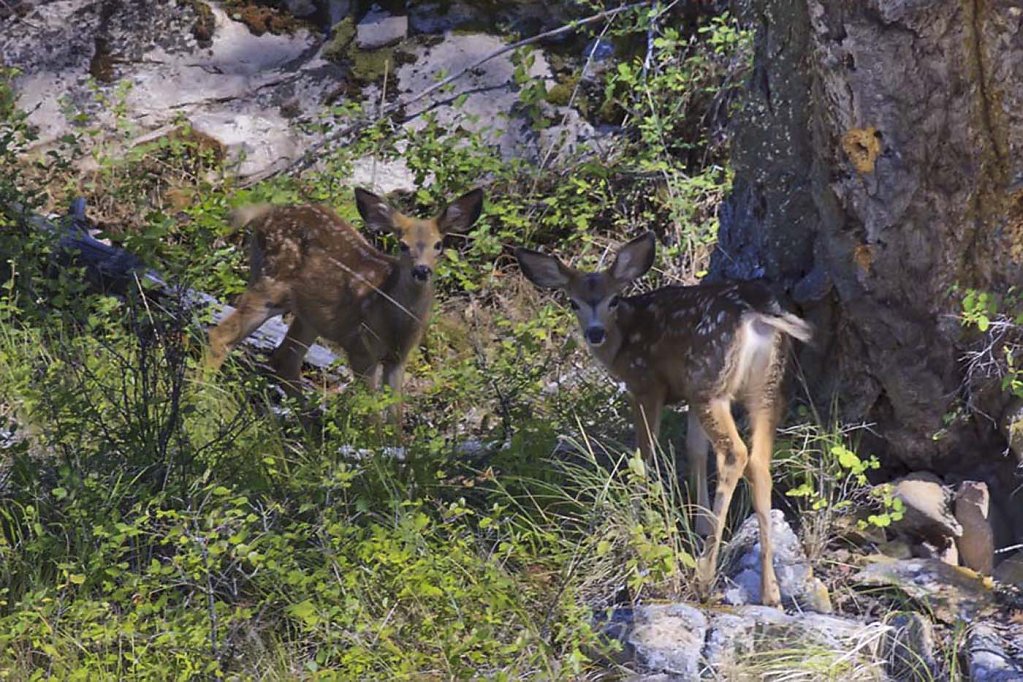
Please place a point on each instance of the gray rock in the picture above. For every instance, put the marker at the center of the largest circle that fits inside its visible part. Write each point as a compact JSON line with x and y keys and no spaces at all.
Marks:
{"x":668,"y":638}
{"x":337,"y":10}
{"x":597,"y":56}
{"x":300,"y":8}
{"x":977,"y":543}
{"x":383,"y":176}
{"x":1010,"y":570}
{"x":379,"y":29}
{"x":255,"y":143}
{"x":680,"y":642}
{"x":909,"y":648}
{"x":799,"y":587}
{"x":928,"y":521}
{"x":235,"y":88}
{"x":758,"y":642}
{"x":951,"y":594}
{"x":438,"y":17}
{"x":987,"y":658}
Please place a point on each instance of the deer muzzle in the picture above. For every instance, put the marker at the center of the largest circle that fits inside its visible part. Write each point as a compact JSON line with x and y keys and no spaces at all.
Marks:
{"x":595,"y":335}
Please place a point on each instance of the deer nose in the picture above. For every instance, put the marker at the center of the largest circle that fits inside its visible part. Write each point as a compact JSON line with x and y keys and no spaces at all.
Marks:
{"x":421,"y":273}
{"x":595,"y":335}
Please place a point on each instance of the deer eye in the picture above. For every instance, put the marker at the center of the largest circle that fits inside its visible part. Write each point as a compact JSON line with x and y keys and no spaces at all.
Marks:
{"x":437,"y":246}
{"x":403,"y":246}
{"x":573,"y":304}
{"x":613,"y":303}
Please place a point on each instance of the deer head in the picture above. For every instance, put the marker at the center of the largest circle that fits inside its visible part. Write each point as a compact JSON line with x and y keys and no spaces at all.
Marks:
{"x":594,"y":296}
{"x":420,"y":241}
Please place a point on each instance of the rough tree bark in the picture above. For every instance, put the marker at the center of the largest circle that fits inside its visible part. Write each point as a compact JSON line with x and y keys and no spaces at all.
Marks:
{"x":878,"y":163}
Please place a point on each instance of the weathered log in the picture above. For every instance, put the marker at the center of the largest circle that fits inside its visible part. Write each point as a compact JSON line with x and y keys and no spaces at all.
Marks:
{"x":115,"y":270}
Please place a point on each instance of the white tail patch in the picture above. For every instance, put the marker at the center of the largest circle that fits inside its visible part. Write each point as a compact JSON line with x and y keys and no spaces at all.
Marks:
{"x":753,"y":354}
{"x":759,"y":343}
{"x":243,"y":215}
{"x":788,"y":323}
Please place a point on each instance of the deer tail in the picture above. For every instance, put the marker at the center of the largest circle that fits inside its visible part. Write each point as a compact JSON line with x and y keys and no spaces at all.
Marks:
{"x":790,"y":324}
{"x":243,"y":215}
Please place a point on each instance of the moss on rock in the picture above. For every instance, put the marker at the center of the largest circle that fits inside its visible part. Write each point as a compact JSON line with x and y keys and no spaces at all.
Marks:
{"x":336,"y":49}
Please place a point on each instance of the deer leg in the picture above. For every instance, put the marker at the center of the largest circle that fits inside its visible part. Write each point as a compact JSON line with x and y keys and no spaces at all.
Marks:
{"x":394,"y":375}
{"x":257,"y":305}
{"x":758,"y":471}
{"x":646,"y":413}
{"x":287,"y":357}
{"x":763,"y":407}
{"x":732,"y":455}
{"x":366,"y":368}
{"x":697,"y":444}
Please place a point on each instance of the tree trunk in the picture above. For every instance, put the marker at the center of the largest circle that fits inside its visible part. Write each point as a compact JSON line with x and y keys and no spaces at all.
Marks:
{"x":878,"y":164}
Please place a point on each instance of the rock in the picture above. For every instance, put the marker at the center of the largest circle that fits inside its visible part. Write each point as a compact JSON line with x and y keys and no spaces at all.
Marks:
{"x":597,"y":56}
{"x":239,"y":76}
{"x":257,"y":94}
{"x":909,"y":648}
{"x":668,"y":638}
{"x":680,"y":642}
{"x":896,"y":549}
{"x":987,"y":658}
{"x":758,"y":642}
{"x":928,"y":518}
{"x":951,"y":593}
{"x":977,"y":542}
{"x":490,"y":93}
{"x":1010,"y":571}
{"x":338,"y":10}
{"x":947,"y":553}
{"x":300,"y":8}
{"x":384,"y":176}
{"x":380,"y":29}
{"x":438,"y":17}
{"x":256,"y":145}
{"x":799,"y":587}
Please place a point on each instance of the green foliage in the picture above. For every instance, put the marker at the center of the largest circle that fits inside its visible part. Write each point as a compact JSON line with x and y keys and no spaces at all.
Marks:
{"x":999,"y":353}
{"x":152,"y":524}
{"x":826,"y":478}
{"x":151,"y":521}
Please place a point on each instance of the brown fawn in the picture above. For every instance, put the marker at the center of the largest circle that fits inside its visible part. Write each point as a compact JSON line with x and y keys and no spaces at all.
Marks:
{"x":705,"y":345}
{"x":308,"y":261}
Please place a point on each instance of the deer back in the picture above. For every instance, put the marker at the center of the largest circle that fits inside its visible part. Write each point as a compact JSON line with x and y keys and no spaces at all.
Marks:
{"x":698,"y":343}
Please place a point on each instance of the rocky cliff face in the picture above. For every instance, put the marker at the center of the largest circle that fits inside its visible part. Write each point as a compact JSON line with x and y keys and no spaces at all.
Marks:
{"x":260,"y":81}
{"x":878,"y":167}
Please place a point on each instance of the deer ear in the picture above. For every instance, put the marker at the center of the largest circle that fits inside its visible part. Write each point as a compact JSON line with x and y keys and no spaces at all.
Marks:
{"x":377,"y":213}
{"x":634,"y":259}
{"x":461,"y":213}
{"x":546,"y":272}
